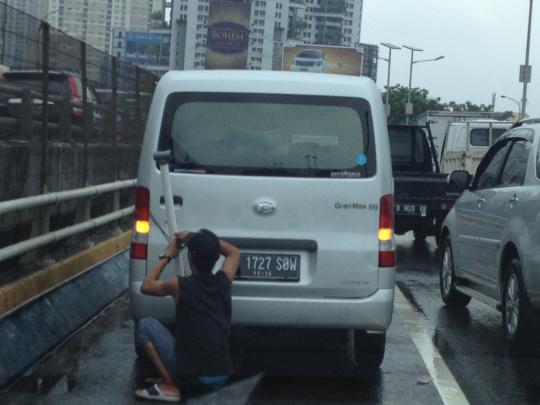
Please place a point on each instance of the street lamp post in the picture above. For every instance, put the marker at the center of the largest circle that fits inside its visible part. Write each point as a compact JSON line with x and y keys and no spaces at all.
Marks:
{"x":525,"y":71}
{"x":519,"y":106}
{"x":409,"y":106}
{"x":389,"y":60}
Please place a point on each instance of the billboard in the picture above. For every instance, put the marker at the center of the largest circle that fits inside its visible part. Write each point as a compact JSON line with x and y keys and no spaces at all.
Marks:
{"x":322,"y":59}
{"x":147,"y":48}
{"x":228,"y":35}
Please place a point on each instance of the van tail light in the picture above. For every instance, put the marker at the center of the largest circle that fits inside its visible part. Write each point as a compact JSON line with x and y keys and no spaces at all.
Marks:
{"x":387,"y":248}
{"x":141,"y":224}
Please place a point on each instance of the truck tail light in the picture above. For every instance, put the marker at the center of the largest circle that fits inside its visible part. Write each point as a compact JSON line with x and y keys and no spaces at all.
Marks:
{"x":387,"y":249}
{"x":139,"y":239}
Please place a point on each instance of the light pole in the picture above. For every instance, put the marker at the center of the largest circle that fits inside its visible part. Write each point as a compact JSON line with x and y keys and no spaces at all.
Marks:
{"x":519,"y":106}
{"x":409,"y":106}
{"x":525,"y":71}
{"x":389,"y":60}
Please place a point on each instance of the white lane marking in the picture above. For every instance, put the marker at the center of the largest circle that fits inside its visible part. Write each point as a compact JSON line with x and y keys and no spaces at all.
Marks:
{"x":444,"y":381}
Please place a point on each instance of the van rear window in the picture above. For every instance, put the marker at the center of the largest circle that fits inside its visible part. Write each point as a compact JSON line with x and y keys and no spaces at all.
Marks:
{"x":480,"y":136}
{"x":269,"y":135}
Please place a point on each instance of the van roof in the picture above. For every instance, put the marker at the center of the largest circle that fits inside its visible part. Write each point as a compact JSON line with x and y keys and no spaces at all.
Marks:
{"x":482,"y":124}
{"x":267,"y":82}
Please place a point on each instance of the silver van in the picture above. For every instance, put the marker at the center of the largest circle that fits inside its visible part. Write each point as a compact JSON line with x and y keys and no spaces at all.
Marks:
{"x":294,"y":169}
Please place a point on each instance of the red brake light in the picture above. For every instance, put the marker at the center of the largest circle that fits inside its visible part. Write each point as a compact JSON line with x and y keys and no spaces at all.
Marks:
{"x":387,"y":253}
{"x":139,"y":241}
{"x":73,"y":90}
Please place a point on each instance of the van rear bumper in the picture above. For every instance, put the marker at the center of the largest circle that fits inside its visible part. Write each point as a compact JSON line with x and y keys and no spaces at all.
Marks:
{"x":373,"y":313}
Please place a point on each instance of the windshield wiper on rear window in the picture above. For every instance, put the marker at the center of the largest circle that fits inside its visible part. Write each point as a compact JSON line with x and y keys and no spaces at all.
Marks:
{"x":277,"y":171}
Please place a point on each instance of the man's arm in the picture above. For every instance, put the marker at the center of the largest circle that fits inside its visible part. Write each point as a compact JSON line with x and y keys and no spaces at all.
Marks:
{"x":151,"y":285}
{"x":232,"y":259}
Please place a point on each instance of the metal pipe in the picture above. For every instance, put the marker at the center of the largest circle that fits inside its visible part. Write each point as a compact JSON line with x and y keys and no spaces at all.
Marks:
{"x":22,"y":247}
{"x":410,"y":83}
{"x":53,"y":198}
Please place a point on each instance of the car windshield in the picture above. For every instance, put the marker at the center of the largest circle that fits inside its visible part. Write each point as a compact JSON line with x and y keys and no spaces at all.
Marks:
{"x":310,"y":54}
{"x":58,"y":85}
{"x":270,"y":135}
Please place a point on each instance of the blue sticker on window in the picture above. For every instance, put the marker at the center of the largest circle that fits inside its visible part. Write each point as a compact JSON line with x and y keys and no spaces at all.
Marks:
{"x":361,"y":159}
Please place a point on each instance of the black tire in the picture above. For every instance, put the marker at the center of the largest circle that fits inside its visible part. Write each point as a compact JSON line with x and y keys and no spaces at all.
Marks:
{"x":516,"y":311}
{"x":419,"y":236}
{"x":368,"y":350}
{"x":447,"y":279}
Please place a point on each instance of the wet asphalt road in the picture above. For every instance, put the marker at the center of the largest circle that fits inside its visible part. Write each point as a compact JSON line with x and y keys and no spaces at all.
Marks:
{"x":98,"y":365}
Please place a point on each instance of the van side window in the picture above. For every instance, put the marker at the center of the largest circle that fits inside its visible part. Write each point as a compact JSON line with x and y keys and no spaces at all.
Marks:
{"x":515,"y":167}
{"x":489,"y":169}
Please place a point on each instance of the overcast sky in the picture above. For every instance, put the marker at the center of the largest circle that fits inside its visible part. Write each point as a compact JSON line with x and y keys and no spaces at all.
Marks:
{"x":483,"y":42}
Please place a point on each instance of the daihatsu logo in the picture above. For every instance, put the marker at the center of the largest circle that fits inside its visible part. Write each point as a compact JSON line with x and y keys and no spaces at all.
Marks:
{"x":265,"y":207}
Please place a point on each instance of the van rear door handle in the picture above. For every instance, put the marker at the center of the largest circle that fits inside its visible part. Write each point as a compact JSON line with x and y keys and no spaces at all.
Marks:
{"x":177,"y":200}
{"x":481,"y":201}
{"x":514,"y":199}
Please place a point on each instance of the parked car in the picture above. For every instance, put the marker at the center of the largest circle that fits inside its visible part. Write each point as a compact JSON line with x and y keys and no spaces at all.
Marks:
{"x":466,"y":143}
{"x":309,"y":60}
{"x":60,"y":84}
{"x":423,"y":196}
{"x":298,"y":177}
{"x":491,"y":248}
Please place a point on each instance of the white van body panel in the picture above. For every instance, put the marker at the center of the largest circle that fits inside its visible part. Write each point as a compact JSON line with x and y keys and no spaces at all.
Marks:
{"x":459,"y":153}
{"x":340,"y":284}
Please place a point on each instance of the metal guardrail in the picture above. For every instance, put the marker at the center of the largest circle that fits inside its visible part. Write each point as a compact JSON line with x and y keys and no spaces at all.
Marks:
{"x":86,"y":224}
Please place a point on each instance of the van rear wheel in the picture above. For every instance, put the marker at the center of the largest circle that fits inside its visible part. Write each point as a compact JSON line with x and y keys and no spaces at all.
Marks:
{"x":368,"y":349}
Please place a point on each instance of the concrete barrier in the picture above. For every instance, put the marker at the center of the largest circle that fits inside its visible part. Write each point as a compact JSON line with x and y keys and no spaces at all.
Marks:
{"x":42,"y":310}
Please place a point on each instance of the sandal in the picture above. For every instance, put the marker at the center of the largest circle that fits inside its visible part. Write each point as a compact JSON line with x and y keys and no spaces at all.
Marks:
{"x":154,"y":393}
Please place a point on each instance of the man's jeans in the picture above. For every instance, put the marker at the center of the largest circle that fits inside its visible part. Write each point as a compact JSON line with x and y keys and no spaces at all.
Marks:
{"x":151,"y":330}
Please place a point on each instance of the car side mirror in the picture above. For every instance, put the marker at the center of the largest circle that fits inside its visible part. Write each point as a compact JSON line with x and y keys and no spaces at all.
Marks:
{"x":460,"y":179}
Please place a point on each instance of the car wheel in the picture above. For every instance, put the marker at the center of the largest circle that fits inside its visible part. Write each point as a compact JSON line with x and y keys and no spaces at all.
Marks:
{"x":368,"y":349}
{"x":419,"y":236}
{"x":516,"y":314}
{"x":447,"y":279}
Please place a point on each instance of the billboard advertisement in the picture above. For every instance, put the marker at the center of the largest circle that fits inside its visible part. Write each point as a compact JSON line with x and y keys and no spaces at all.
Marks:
{"x":228,"y":35}
{"x":147,"y":48}
{"x":322,"y":59}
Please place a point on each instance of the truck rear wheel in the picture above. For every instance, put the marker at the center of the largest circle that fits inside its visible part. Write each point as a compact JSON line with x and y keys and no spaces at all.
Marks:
{"x":419,"y":235}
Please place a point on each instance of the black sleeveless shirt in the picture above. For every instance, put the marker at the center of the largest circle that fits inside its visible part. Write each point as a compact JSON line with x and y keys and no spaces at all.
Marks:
{"x":203,"y":323}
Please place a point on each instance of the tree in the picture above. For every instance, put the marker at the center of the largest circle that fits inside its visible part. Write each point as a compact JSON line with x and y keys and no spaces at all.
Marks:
{"x":422,"y":103}
{"x":419,"y":98}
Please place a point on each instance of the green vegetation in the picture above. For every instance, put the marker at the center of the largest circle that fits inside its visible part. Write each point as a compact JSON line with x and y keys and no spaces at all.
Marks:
{"x":422,"y":102}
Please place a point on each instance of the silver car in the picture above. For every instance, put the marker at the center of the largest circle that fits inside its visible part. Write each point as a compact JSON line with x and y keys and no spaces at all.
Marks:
{"x":491,"y":237}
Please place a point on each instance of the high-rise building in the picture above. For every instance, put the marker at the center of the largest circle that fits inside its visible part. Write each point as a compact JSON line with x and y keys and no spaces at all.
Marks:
{"x":92,"y":21}
{"x":273,"y":23}
{"x":20,"y":49}
{"x":333,"y":22}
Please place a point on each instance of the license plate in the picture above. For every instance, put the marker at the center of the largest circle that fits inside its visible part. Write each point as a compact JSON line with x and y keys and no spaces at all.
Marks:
{"x":411,"y":209}
{"x":269,"y":267}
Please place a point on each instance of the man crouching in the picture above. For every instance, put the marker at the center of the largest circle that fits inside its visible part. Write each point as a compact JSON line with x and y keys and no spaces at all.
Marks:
{"x":197,"y":358}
